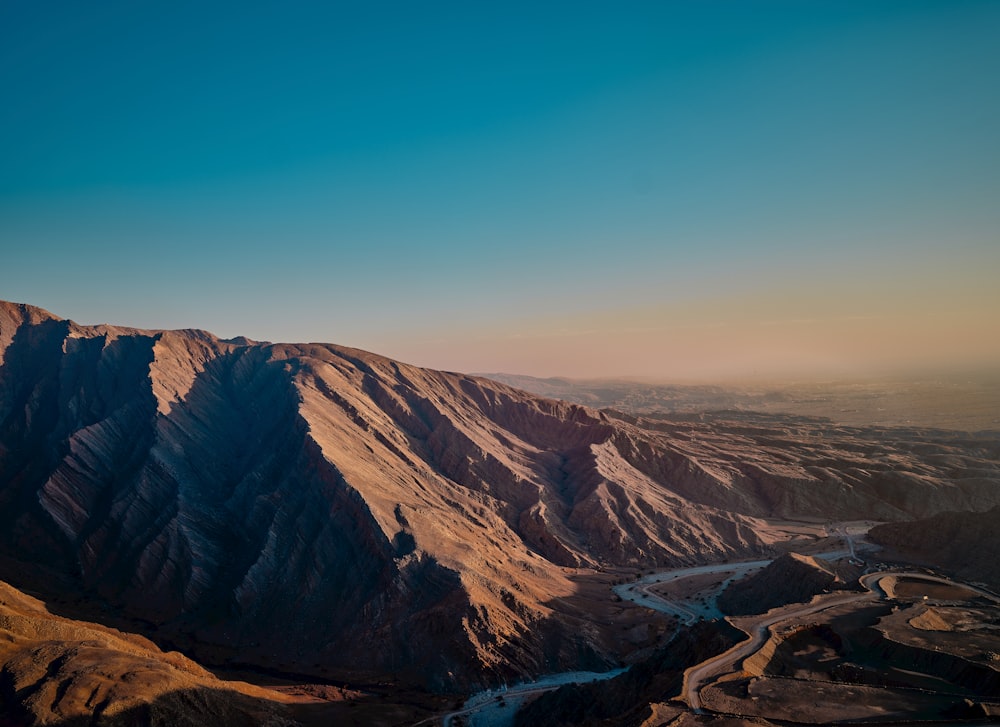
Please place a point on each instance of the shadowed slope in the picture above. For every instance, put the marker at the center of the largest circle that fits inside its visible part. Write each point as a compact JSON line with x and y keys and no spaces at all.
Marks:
{"x":964,"y":543}
{"x":57,"y":671}
{"x":317,"y":508}
{"x":792,"y":578}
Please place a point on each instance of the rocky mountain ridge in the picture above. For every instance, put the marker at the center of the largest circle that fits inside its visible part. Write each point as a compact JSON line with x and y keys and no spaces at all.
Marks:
{"x":326,"y":510}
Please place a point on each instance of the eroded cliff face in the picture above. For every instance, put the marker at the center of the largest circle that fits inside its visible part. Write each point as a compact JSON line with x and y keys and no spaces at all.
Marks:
{"x":313,"y":507}
{"x":175,"y":476}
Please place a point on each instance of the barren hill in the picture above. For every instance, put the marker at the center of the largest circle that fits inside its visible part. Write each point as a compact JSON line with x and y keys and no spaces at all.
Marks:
{"x":964,"y":543}
{"x":322,"y":509}
{"x":789,"y":579}
{"x":55,"y":670}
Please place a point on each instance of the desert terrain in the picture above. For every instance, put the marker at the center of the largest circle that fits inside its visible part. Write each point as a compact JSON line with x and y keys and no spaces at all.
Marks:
{"x":895,"y":646}
{"x":962,"y":401}
{"x":374,"y":543}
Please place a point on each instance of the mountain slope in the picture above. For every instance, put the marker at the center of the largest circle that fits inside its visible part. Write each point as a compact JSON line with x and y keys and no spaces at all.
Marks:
{"x":54,"y":670}
{"x":322,"y":509}
{"x":792,"y":578}
{"x":963,"y":543}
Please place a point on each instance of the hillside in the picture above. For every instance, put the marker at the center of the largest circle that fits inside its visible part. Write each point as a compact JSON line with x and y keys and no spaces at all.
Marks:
{"x":963,"y":543}
{"x":55,"y":670}
{"x":319,"y":509}
{"x":792,"y":578}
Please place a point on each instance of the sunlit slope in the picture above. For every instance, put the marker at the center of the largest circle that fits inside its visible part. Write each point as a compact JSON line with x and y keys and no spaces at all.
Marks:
{"x":322,"y":509}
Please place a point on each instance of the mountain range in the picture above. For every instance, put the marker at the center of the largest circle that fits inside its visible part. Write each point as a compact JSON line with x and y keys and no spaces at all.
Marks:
{"x":316,"y":509}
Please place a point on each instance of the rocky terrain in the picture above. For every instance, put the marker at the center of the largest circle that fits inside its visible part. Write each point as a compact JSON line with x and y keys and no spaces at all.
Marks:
{"x":918,"y":650}
{"x":963,"y":543}
{"x":322,"y":510}
{"x":55,"y":670}
{"x":906,"y":657}
{"x":792,"y":578}
{"x":633,"y":697}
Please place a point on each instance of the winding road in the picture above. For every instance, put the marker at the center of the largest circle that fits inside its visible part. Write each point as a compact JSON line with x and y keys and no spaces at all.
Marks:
{"x":759,"y":628}
{"x":639,"y":592}
{"x":759,"y":631}
{"x":687,"y":611}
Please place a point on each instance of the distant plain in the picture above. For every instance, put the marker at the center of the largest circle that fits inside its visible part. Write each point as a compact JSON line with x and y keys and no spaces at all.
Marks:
{"x":956,"y":401}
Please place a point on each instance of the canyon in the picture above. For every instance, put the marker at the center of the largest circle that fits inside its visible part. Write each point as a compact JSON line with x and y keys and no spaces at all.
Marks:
{"x":325,"y":512}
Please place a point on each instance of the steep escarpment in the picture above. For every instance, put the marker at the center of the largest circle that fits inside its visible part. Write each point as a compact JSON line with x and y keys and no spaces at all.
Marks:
{"x":321,"y":509}
{"x":963,"y":543}
{"x":187,"y":490}
{"x":387,"y":519}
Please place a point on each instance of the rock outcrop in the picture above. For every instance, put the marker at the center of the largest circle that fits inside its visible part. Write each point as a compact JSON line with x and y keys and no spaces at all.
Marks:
{"x":320,"y":509}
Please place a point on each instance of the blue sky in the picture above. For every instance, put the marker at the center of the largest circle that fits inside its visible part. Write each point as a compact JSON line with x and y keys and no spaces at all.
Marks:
{"x":671,"y":189}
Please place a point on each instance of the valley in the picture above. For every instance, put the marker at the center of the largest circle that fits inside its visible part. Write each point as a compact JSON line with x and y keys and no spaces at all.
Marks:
{"x":372,"y":542}
{"x":878,"y":653}
{"x":509,"y":364}
{"x":712,"y":689}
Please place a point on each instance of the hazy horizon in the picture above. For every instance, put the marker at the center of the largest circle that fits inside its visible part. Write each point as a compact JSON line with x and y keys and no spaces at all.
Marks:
{"x":673,"y":191}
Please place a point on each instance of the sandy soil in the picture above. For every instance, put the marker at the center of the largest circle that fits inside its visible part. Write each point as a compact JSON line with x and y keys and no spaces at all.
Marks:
{"x":689,"y":588}
{"x":626,"y":630}
{"x":971,"y":633}
{"x":917,"y":588}
{"x":857,"y":661}
{"x":821,"y":703}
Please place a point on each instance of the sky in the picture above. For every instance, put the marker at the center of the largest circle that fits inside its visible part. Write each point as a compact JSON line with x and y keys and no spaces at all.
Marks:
{"x":679,"y":190}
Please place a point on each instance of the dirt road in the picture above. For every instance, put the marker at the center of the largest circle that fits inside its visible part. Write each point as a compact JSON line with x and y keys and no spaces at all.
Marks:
{"x":757,"y":629}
